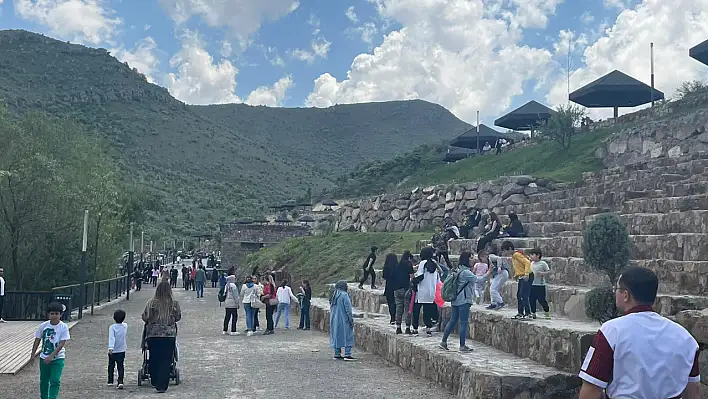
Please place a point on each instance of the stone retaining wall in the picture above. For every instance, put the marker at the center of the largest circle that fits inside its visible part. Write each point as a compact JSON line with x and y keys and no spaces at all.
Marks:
{"x":681,"y":130}
{"x":479,"y":376}
{"x":421,"y":208}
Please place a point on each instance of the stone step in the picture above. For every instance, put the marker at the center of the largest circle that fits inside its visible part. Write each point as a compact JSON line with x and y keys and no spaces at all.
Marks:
{"x":655,"y":182}
{"x":642,"y":170}
{"x":664,"y":204}
{"x":485,"y":373}
{"x":652,"y":164}
{"x":562,"y":215}
{"x":560,"y":342}
{"x":609,"y":200}
{"x":569,"y":301}
{"x":674,"y":246}
{"x":675,"y":277}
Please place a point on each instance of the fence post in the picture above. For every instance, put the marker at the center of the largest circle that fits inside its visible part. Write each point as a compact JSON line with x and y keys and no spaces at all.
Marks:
{"x":108,"y":297}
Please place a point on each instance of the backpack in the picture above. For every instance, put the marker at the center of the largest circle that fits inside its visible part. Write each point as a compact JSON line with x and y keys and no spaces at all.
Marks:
{"x":222,"y":294}
{"x":449,"y":288}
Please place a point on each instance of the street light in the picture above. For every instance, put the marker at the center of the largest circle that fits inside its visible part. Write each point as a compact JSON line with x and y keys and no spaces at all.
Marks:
{"x":130,"y":262}
{"x":83,"y":266}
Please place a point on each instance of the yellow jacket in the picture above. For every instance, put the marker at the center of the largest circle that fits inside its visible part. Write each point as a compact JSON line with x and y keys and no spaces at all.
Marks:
{"x":522,"y":265}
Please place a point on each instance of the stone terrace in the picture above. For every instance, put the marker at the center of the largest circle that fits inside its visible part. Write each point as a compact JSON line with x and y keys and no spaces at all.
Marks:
{"x":664,"y":205}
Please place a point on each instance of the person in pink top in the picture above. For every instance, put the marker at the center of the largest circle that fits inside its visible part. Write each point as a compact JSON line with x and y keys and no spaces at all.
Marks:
{"x":480,"y":269}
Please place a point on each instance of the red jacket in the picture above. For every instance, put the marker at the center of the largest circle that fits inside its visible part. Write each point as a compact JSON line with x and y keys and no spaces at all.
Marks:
{"x":269,"y":291}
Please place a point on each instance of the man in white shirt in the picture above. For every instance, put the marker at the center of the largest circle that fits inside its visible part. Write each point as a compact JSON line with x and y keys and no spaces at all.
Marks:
{"x":2,"y":293}
{"x":640,"y":355}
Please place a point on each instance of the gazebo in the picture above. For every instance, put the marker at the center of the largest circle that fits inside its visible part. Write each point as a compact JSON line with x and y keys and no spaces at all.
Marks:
{"x":261,"y":220}
{"x":306,"y":219}
{"x":700,"y":52}
{"x":526,"y":117}
{"x":468,"y":139}
{"x":244,"y":221}
{"x":616,"y":89}
{"x":282,"y":219}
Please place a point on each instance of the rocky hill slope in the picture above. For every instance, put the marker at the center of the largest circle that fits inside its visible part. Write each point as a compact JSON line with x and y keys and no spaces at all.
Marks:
{"x":207,"y":163}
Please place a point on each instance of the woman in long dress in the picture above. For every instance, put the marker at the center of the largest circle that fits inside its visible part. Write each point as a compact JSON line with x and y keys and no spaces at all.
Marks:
{"x":341,"y":322}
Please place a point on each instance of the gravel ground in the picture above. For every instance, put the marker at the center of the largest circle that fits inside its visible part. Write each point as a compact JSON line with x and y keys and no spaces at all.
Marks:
{"x":212,"y":366}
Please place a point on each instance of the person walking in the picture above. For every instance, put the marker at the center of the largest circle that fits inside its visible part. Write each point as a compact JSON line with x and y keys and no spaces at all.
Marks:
{"x":2,"y":292}
{"x":341,"y":322}
{"x":251,"y":298}
{"x":161,"y":315}
{"x":401,"y":281}
{"x":285,"y":296}
{"x":231,"y":305}
{"x":270,"y":299}
{"x":200,"y":279}
{"x":214,"y":277}
{"x":426,"y":280}
{"x":389,"y":276}
{"x":368,"y":268}
{"x":173,"y":276}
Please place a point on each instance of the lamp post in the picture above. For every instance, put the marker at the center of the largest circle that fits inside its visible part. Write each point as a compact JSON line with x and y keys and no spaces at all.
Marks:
{"x":651,"y":51}
{"x":130,"y":261}
{"x":142,"y":244}
{"x":83,"y":266}
{"x":478,"y":152}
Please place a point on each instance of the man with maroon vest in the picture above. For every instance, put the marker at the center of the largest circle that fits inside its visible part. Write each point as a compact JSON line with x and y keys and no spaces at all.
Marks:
{"x":640,"y":355}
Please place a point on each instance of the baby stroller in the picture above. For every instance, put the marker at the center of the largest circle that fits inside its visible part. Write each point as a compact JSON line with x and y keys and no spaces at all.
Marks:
{"x":144,"y":372}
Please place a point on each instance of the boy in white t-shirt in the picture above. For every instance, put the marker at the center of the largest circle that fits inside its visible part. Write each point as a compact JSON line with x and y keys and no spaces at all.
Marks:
{"x":117,"y":344}
{"x":53,"y":335}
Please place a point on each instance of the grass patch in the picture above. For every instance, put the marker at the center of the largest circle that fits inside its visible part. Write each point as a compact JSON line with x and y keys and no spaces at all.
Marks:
{"x":327,"y":258}
{"x":546,"y":159}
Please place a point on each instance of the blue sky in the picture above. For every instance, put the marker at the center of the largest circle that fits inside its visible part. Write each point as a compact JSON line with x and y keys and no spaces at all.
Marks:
{"x":466,"y":55}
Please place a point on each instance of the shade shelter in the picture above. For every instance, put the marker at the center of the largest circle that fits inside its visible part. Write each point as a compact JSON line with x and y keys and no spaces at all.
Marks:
{"x":469,"y":140}
{"x":615,"y":90}
{"x":526,"y":117}
{"x":700,"y":52}
{"x":306,"y":219}
{"x":289,"y":205}
{"x":261,"y":220}
{"x":282,"y":219}
{"x":244,"y":221}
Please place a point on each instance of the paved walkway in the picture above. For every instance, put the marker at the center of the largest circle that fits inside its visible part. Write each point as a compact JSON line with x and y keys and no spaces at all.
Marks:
{"x":289,"y":364}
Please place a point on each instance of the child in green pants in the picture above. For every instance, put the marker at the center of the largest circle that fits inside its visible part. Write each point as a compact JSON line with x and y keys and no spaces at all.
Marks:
{"x":52,"y":334}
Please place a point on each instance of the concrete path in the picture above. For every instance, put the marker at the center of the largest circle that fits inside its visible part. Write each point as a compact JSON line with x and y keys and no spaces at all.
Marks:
{"x":289,"y":364}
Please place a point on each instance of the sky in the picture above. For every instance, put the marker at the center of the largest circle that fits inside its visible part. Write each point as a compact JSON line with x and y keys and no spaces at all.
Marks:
{"x":466,"y":55}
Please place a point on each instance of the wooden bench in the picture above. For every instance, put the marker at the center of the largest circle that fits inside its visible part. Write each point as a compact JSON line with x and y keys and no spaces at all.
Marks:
{"x":16,"y":340}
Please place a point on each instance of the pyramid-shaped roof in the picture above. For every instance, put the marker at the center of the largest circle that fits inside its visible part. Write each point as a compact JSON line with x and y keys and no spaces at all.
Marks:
{"x":700,"y":52}
{"x":526,"y":116}
{"x":468,"y":139}
{"x":616,"y":89}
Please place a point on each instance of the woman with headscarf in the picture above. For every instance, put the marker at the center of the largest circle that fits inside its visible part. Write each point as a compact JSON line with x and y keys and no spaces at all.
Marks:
{"x":341,"y":322}
{"x":161,"y":315}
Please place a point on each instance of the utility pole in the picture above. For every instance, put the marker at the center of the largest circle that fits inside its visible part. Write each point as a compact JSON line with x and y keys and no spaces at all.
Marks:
{"x":83,"y":266}
{"x":142,"y":244}
{"x":651,"y":51}
{"x":478,"y":149}
{"x":131,"y":255}
{"x":95,"y":264}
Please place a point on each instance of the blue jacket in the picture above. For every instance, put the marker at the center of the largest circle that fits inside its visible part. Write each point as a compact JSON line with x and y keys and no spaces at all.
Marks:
{"x":466,"y":294}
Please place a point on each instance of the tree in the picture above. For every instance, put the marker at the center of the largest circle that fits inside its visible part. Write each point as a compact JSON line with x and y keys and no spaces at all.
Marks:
{"x":606,"y":248}
{"x":563,"y":124}
{"x":690,"y":88}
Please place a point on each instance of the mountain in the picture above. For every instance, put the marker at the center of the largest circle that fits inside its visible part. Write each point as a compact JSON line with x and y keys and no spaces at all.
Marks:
{"x":208,"y":164}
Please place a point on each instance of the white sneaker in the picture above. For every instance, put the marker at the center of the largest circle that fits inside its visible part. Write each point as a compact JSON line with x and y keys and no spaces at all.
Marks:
{"x":120,"y":386}
{"x":258,"y":329}
{"x":110,"y":384}
{"x":249,"y":334}
{"x":235,"y":333}
{"x":224,"y":333}
{"x":2,"y":321}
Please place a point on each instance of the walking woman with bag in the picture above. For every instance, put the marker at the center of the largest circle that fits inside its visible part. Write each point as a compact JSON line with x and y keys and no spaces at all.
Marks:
{"x":161,"y":315}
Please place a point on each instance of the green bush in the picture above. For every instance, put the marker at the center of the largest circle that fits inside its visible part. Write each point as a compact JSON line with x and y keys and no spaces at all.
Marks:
{"x":600,"y":304}
{"x":606,"y":245}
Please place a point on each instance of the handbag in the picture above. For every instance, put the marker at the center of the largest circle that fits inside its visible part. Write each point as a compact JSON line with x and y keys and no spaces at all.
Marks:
{"x":273,"y":301}
{"x":257,"y":304}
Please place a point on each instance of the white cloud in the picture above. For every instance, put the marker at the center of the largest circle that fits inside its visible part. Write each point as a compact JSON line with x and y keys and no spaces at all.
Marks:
{"x":314,"y":22}
{"x":351,"y":15}
{"x":587,"y":18}
{"x":319,"y":48}
{"x":369,"y":32}
{"x":226,"y":49}
{"x":84,"y":21}
{"x":533,"y":13}
{"x":272,"y":55}
{"x":456,"y":53}
{"x":673,"y":26}
{"x":146,"y":27}
{"x":241,"y":17}
{"x":199,"y":80}
{"x":272,"y":96}
{"x":621,"y":4}
{"x":142,"y":58}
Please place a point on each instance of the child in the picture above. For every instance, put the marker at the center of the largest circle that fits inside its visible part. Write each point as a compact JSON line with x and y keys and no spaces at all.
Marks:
{"x":53,"y":335}
{"x":524,"y":277}
{"x":500,"y":274}
{"x":539,"y":269}
{"x":117,"y":345}
{"x":480,"y":269}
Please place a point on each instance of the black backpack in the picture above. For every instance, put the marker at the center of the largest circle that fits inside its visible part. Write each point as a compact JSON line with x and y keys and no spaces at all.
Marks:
{"x":222,"y":294}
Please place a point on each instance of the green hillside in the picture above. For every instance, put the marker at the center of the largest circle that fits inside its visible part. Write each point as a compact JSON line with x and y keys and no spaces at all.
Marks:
{"x":207,"y":164}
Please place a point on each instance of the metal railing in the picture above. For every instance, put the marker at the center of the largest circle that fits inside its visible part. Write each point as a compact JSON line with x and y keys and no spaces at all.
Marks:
{"x":26,"y":305}
{"x":105,"y":291}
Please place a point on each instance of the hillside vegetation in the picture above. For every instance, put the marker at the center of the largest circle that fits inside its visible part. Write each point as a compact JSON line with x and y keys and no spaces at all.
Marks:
{"x":206,"y":164}
{"x":327,"y":258}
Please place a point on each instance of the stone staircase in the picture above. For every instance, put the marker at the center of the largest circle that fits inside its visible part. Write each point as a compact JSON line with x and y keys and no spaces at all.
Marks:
{"x":664,"y":205}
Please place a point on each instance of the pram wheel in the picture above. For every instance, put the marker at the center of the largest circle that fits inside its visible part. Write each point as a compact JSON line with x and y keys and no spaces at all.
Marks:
{"x":177,"y":381}
{"x":140,"y":377}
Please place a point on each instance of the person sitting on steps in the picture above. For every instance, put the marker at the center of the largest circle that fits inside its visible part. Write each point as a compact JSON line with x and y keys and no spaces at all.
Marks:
{"x":492,"y":231}
{"x":515,"y":228}
{"x":368,"y":268}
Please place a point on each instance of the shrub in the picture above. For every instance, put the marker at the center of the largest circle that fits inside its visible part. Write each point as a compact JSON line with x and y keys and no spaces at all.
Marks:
{"x":606,"y":248}
{"x":606,"y":245}
{"x":600,"y":304}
